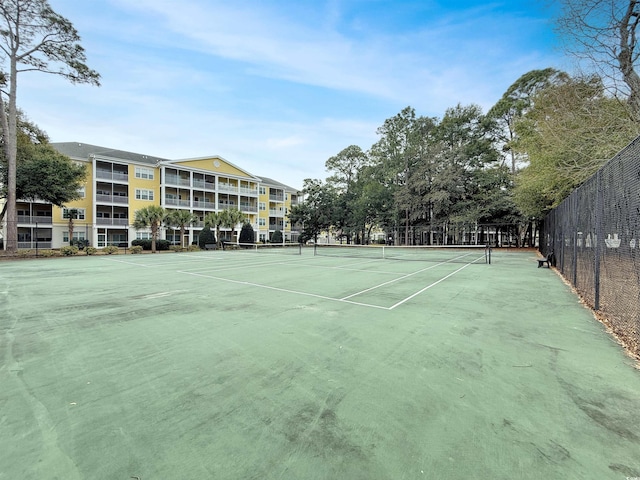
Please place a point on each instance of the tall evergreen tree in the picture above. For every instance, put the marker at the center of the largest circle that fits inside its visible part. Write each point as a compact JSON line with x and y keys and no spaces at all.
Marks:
{"x":32,"y":38}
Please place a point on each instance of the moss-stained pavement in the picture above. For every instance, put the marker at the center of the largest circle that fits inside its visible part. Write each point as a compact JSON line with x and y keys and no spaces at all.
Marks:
{"x":233,"y":365}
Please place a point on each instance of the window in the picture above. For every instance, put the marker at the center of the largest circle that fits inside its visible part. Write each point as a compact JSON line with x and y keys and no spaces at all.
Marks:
{"x":262,"y":222}
{"x":263,"y":191}
{"x":143,"y":235}
{"x":76,"y":236}
{"x":263,"y":206}
{"x":82,"y":191}
{"x":143,"y":194}
{"x":144,"y":173}
{"x":79,"y":213}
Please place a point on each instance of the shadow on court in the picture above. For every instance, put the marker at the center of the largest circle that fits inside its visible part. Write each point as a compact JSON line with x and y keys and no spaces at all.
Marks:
{"x":231,"y":365}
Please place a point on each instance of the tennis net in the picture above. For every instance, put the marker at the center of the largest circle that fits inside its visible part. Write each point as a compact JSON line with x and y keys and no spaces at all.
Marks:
{"x":428,"y":253}
{"x":274,"y":248}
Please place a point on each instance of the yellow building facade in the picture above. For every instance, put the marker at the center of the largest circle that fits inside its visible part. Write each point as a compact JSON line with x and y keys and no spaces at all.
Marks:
{"x":118,"y":183}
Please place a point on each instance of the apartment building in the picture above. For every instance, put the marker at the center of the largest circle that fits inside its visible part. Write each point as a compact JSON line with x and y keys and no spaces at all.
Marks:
{"x":119,"y":183}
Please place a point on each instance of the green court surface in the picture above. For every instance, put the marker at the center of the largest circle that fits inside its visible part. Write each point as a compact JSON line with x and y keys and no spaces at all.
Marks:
{"x":242,"y":365}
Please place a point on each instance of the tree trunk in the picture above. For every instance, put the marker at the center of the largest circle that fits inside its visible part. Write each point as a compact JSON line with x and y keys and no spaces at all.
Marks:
{"x":12,"y":153}
{"x":625,"y":58}
{"x":70,"y":228}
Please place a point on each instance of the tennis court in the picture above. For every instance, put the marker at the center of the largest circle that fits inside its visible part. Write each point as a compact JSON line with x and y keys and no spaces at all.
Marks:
{"x":289,"y":365}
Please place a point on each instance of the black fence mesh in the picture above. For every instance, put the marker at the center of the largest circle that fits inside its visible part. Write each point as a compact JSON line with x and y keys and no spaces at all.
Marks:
{"x":595,"y":236}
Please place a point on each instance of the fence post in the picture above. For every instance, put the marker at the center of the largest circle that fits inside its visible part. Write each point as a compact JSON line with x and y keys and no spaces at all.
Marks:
{"x":597,"y":251}
{"x":573,"y":203}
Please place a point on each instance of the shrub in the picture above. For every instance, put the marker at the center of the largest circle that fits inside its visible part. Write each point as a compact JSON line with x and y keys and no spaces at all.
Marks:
{"x":276,"y":237}
{"x":146,"y":244}
{"x":136,"y":249}
{"x":206,"y":237}
{"x":175,"y":248}
{"x":91,"y":250}
{"x":26,"y":253}
{"x":80,"y":243}
{"x":48,"y":253}
{"x":110,"y":249}
{"x":194,"y":248}
{"x":70,"y":250}
{"x":162,"y":244}
{"x":247,"y":235}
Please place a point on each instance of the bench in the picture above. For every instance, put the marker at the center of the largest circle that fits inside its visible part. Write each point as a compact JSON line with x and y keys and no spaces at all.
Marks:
{"x":549,"y":260}
{"x":210,"y":246}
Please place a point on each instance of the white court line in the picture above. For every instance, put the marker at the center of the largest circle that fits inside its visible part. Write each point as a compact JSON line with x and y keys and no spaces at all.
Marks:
{"x":428,"y":287}
{"x":284,"y":290}
{"x":394,"y":280}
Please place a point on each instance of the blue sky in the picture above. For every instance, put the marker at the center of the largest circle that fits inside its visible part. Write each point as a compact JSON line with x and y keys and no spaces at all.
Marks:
{"x":277,"y":87}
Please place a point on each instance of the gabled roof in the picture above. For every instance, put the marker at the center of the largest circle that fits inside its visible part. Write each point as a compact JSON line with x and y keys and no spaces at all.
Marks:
{"x":82,"y":151}
{"x":274,"y":183}
{"x":198,"y":160}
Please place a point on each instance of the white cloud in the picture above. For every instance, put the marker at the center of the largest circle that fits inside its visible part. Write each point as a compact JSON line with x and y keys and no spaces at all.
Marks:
{"x":267,"y":87}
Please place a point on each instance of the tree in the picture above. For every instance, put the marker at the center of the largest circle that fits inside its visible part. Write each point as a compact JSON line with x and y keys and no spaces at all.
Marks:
{"x":42,"y":172}
{"x":604,"y":32}
{"x":394,"y":155}
{"x":206,"y":237}
{"x":71,"y":214}
{"x":214,"y":219}
{"x":231,"y":218}
{"x":315,"y":214}
{"x":345,"y":167}
{"x":572,"y":130}
{"x":276,"y":237}
{"x":32,"y":38}
{"x":517,"y":101}
{"x":181,"y":219}
{"x":247,"y":234}
{"x":150,"y":217}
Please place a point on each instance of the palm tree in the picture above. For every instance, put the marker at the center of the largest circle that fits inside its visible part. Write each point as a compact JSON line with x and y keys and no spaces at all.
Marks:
{"x":150,"y":217}
{"x":214,"y":219}
{"x":180,"y":219}
{"x":231,"y":218}
{"x":71,"y":214}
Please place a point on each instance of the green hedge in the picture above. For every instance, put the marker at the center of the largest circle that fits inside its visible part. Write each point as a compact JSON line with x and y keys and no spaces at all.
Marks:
{"x":146,"y":244}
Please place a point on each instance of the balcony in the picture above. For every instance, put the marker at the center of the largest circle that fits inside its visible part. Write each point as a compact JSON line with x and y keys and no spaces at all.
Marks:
{"x":276,"y":197}
{"x":33,"y":219}
{"x":175,"y":180}
{"x":276,"y":213}
{"x":112,"y":221}
{"x":247,"y":207}
{"x":227,"y":187}
{"x":204,"y":185}
{"x":102,"y":198}
{"x":205,"y":204}
{"x":110,"y":175}
{"x":172,"y":202}
{"x":249,"y":191}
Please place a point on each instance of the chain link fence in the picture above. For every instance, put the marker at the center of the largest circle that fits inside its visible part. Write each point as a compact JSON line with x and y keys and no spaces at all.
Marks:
{"x":595,"y":237}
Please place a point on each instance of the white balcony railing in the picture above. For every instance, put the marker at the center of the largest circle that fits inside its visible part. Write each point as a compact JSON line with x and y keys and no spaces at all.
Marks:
{"x":34,"y":219}
{"x":112,"y":199}
{"x":249,"y":191}
{"x":112,"y":221}
{"x":109,"y":175}
{"x":208,"y":204}
{"x":204,"y":185}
